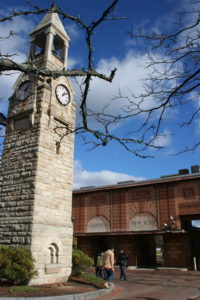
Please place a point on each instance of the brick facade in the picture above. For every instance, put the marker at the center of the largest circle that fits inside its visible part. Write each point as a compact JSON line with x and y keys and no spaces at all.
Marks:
{"x":140,"y":214}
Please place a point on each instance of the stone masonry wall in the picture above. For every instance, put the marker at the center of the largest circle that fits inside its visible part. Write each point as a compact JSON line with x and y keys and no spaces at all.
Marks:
{"x":36,"y":184}
{"x":52,"y":223}
{"x":17,"y":183}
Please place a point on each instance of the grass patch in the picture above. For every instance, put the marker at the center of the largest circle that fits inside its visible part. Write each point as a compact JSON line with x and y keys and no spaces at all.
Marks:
{"x":91,"y":278}
{"x":23,"y":289}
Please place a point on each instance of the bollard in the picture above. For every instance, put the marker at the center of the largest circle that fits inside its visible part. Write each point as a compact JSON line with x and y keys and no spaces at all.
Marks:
{"x":195,"y":263}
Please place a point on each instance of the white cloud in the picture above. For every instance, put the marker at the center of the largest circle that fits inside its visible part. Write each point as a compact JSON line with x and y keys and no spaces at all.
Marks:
{"x":73,"y":31}
{"x":84,"y":178}
{"x":130,"y":71}
{"x":16,"y":46}
{"x":72,"y":62}
{"x":163,"y":140}
{"x":129,"y":80}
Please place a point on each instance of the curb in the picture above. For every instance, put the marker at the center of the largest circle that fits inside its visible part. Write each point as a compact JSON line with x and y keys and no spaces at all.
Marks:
{"x":81,"y":296}
{"x":194,"y":297}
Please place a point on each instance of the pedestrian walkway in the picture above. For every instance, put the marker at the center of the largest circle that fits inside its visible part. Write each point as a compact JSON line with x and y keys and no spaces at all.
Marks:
{"x":156,"y":285}
{"x":141,"y":285}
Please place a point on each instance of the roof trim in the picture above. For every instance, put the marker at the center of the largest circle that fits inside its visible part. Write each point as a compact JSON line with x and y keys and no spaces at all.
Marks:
{"x":139,"y":183}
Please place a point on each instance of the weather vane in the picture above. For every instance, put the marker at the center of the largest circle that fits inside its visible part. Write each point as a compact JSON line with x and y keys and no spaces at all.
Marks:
{"x":53,"y":3}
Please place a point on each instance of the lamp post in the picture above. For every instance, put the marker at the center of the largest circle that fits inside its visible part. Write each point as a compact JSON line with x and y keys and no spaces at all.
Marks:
{"x":170,"y":223}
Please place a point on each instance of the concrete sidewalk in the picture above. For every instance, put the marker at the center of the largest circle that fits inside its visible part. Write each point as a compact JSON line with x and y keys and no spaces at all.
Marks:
{"x":156,"y":285}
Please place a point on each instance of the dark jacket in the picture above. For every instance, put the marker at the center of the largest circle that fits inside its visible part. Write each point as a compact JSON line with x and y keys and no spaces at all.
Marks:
{"x":122,"y":260}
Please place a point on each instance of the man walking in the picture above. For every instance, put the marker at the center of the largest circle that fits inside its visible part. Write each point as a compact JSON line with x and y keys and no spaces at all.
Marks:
{"x":122,"y":261}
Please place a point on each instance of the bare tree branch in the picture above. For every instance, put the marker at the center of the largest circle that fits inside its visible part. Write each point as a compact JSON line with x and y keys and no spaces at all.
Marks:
{"x":131,"y":142}
{"x":173,"y":62}
{"x":28,"y":68}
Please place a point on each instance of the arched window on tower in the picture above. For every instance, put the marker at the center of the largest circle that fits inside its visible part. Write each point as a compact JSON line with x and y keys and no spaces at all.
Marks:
{"x":51,"y":250}
{"x":54,"y":253}
{"x":58,"y":47}
{"x":39,"y":45}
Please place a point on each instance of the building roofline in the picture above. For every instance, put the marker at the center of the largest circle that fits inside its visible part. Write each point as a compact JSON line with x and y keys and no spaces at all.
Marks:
{"x":128,"y":184}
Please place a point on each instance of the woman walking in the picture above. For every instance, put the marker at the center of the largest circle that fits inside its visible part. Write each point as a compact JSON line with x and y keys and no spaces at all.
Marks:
{"x":108,"y":266}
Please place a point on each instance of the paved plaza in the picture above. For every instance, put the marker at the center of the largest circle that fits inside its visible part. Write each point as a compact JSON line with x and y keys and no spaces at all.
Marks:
{"x":156,"y":285}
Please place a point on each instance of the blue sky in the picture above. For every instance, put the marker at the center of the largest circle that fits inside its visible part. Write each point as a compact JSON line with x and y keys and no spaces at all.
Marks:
{"x":112,"y":48}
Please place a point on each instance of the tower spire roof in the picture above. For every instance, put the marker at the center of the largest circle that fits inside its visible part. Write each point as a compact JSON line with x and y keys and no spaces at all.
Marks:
{"x":51,"y":19}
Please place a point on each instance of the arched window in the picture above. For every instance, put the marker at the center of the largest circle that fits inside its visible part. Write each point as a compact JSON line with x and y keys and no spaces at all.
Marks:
{"x":54,"y":253}
{"x":51,"y":249}
{"x":58,"y":47}
{"x":39,"y":45}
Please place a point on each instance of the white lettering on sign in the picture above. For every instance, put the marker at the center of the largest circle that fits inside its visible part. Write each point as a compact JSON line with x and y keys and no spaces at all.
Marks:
{"x":98,"y":224}
{"x":143,"y":221}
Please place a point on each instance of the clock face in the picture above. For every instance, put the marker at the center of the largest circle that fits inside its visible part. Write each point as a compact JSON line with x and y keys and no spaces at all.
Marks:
{"x":24,"y":90}
{"x":62,"y":94}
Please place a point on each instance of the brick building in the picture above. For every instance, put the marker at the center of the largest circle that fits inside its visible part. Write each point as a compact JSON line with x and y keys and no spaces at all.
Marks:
{"x":152,"y":220}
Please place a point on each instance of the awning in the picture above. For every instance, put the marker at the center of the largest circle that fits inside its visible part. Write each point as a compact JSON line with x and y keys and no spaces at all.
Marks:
{"x":117,"y":233}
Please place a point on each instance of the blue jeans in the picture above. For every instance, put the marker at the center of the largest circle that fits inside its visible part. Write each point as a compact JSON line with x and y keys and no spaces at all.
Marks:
{"x":122,"y":272}
{"x":109,"y":274}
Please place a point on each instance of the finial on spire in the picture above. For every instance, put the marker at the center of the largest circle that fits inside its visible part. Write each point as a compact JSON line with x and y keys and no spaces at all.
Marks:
{"x":53,"y":5}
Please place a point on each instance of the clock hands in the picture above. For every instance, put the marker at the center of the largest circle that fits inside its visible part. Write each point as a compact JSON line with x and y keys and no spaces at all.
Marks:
{"x":62,"y":94}
{"x":26,"y":88}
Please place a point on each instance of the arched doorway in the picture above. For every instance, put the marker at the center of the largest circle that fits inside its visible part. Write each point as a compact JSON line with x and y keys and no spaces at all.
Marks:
{"x":145,"y":243}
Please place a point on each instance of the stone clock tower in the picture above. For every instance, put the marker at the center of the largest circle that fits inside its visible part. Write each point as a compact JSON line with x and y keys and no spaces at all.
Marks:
{"x":36,"y":172}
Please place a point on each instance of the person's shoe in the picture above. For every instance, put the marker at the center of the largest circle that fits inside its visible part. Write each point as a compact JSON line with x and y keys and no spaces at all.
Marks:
{"x":106,"y":285}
